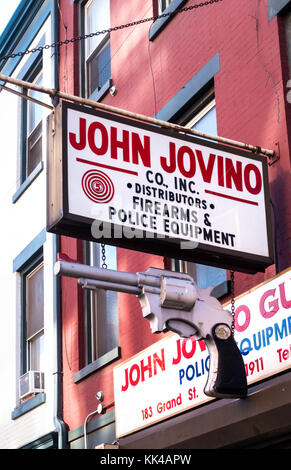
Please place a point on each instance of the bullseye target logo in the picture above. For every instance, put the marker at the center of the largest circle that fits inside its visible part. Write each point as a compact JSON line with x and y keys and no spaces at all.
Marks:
{"x":98,"y":186}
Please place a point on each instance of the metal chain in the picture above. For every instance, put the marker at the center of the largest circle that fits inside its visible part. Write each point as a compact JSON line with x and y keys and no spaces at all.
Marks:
{"x":109,"y":30}
{"x":104,"y":265}
{"x":232,"y":302}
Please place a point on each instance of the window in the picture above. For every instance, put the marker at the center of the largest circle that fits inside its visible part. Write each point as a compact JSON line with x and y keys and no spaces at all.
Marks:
{"x":29,"y":267}
{"x":97,"y":48}
{"x":32,"y":114}
{"x":101,"y":316}
{"x":202,"y":117}
{"x":33,"y":316}
{"x":276,"y":7}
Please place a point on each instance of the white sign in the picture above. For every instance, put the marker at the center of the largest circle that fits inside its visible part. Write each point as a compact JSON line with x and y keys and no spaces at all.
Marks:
{"x":169,"y":377}
{"x":135,"y":181}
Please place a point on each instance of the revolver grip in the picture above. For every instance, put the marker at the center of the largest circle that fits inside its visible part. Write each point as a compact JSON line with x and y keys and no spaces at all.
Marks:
{"x":227,"y":375}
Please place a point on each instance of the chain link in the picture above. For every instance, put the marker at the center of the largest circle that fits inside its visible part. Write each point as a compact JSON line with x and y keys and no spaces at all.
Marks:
{"x":103,"y":252}
{"x":232,"y":302}
{"x":109,"y":30}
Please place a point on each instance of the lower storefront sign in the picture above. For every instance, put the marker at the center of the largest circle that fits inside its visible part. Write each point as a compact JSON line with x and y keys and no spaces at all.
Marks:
{"x":169,"y":377}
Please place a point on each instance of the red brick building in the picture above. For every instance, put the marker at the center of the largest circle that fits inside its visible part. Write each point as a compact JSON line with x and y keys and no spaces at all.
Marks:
{"x":222,"y":68}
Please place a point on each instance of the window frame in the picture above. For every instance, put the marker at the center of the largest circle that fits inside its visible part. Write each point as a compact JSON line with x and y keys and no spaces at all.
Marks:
{"x":99,"y":92}
{"x":32,"y":252}
{"x":277,"y":7}
{"x":30,"y":339}
{"x":30,"y":256}
{"x":94,"y":363}
{"x":96,"y":53}
{"x":203,"y":110}
{"x":32,"y":75}
{"x":31,"y":65}
{"x":160,"y":9}
{"x":161,"y":23}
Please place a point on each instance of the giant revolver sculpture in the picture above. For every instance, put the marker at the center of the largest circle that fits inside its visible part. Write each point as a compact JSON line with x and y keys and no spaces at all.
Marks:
{"x":173,"y":301}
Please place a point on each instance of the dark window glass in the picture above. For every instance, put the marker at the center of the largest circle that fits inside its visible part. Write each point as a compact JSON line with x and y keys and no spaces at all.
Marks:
{"x":98,"y":67}
{"x":34,"y":148}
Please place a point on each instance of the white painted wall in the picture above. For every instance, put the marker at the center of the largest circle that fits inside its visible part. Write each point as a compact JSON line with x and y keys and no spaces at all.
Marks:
{"x":20,"y":223}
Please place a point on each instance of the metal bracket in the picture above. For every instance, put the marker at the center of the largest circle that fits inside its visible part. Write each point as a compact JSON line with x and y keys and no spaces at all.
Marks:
{"x":275,"y":157}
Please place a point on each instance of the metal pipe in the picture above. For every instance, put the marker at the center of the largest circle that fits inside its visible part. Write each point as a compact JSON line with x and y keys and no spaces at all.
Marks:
{"x":85,"y":426}
{"x":58,"y":347}
{"x":92,"y":285}
{"x":26,"y":97}
{"x":58,"y":406}
{"x":140,"y":117}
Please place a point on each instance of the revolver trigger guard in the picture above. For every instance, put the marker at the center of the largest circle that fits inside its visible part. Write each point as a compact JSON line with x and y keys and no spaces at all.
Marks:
{"x":183,"y":327}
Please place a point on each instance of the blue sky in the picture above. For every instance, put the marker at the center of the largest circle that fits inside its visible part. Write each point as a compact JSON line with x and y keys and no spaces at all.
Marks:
{"x":7,"y":8}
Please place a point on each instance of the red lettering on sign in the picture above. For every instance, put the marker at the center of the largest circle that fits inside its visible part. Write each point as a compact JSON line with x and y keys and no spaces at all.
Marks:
{"x":230,"y":174}
{"x":258,"y":179}
{"x":283,"y":354}
{"x":182,"y":349}
{"x":104,"y":138}
{"x":146,"y":368}
{"x":136,"y":373}
{"x":141,"y":150}
{"x":220,"y":170}
{"x":82,"y":136}
{"x":160,"y":361}
{"x":171,"y":167}
{"x":233,"y":174}
{"x":134,"y":380}
{"x":184,"y":150}
{"x":206,"y":171}
{"x":188,"y":354}
{"x":128,"y":145}
{"x":122,"y":144}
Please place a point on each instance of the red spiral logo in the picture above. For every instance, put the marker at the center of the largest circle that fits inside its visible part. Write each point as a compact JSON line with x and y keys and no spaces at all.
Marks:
{"x":97,"y":186}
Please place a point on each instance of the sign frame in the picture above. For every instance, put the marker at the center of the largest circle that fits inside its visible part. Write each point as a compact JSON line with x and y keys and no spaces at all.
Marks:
{"x":61,"y":221}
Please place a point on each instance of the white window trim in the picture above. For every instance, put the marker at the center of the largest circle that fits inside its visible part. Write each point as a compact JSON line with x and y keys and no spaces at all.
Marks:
{"x":168,"y":3}
{"x":201,"y":114}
